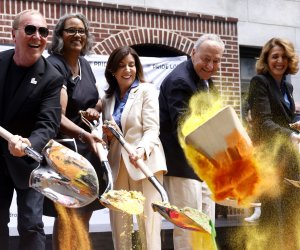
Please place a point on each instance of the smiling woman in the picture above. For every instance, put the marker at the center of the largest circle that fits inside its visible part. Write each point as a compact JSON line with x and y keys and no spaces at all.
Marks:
{"x":272,"y":109}
{"x":70,"y":42}
{"x":131,"y":106}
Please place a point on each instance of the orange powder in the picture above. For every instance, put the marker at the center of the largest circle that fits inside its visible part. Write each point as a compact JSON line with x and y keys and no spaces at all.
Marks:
{"x":72,"y":166}
{"x":233,"y":172}
{"x":73,"y":233}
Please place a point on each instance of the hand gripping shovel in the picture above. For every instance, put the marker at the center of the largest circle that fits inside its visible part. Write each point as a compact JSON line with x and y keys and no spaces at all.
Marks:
{"x":101,"y":153}
{"x":186,"y":218}
{"x":118,"y":200}
{"x":68,"y":178}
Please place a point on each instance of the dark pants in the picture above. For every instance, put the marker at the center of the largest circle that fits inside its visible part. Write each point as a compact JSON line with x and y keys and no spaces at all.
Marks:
{"x":30,"y":210}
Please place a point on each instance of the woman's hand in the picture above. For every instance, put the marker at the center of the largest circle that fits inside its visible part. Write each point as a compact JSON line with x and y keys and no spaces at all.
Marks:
{"x":107,"y":131}
{"x":92,"y":139}
{"x":295,"y":139}
{"x":140,"y":154}
{"x":92,"y":114}
{"x":295,"y":125}
{"x":15,"y":145}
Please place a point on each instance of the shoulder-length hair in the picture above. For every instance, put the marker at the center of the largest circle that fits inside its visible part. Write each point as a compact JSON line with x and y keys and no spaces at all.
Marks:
{"x":288,"y":47}
{"x":57,"y":44}
{"x":113,"y":64}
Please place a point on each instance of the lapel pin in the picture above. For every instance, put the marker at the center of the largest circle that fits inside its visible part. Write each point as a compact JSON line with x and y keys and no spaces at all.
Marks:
{"x":33,"y":81}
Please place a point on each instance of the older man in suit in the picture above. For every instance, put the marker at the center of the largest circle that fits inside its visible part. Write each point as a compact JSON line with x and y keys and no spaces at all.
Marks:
{"x":183,"y":185}
{"x":30,"y":109}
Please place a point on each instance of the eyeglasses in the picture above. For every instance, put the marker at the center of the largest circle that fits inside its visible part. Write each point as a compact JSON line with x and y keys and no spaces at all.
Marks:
{"x":73,"y":32}
{"x":31,"y":29}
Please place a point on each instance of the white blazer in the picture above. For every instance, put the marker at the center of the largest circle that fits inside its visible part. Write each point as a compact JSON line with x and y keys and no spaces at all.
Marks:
{"x":140,"y":125}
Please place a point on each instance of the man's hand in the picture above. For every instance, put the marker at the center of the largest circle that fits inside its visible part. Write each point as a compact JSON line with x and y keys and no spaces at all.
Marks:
{"x":16,"y":145}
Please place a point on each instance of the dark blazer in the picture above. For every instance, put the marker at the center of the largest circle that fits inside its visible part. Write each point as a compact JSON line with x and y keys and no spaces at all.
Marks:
{"x":271,"y":115}
{"x":175,"y":92}
{"x":34,"y":113}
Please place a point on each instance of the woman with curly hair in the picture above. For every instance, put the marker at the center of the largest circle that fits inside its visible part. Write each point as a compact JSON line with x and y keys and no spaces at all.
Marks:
{"x":272,"y":109}
{"x":71,"y":41}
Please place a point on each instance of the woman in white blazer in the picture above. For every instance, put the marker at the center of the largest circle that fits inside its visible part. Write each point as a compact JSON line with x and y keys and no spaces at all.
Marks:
{"x":133,"y":105}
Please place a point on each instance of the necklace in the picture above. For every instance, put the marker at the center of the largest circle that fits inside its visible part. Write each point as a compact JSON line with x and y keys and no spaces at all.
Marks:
{"x":75,"y":68}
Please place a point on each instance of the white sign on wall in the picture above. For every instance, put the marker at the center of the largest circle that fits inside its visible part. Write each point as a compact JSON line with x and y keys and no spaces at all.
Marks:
{"x":155,"y":69}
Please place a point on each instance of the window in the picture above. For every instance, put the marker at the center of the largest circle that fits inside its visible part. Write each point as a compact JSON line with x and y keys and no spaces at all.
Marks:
{"x":248,"y":57}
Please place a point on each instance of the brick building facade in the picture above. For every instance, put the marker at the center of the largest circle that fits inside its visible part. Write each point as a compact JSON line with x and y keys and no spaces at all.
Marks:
{"x":114,"y":25}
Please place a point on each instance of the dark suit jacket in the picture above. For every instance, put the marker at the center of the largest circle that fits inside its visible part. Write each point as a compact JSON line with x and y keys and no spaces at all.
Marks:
{"x":34,"y":113}
{"x":271,"y":115}
{"x":175,"y":92}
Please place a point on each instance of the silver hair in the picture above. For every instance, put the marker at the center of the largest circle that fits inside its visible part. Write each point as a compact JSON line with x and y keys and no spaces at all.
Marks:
{"x":211,"y":37}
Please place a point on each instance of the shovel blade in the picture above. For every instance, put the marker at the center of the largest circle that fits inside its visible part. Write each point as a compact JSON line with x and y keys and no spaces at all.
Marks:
{"x":57,"y":188}
{"x":68,"y":178}
{"x":178,"y":218}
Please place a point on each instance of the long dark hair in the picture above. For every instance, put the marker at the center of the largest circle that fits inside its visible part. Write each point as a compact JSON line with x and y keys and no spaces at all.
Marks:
{"x":113,"y":64}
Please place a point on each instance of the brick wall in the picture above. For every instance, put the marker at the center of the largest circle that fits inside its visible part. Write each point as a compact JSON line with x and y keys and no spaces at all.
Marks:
{"x":114,"y":25}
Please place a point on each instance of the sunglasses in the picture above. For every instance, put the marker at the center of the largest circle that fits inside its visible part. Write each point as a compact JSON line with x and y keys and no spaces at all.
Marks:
{"x":31,"y":29}
{"x":73,"y":31}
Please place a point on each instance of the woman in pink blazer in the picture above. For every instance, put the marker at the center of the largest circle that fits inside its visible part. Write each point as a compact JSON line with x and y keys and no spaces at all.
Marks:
{"x":133,"y":105}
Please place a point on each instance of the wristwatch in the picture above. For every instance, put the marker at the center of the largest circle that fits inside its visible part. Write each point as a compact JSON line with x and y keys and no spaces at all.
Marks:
{"x":81,"y":136}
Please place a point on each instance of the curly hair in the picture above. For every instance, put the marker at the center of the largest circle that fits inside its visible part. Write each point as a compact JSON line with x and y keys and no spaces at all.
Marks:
{"x":288,"y":47}
{"x":57,"y":44}
{"x":113,"y":64}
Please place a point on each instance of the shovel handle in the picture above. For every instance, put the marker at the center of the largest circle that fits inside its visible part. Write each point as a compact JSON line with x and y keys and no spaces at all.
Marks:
{"x":28,"y":150}
{"x":5,"y":134}
{"x":100,"y":149}
{"x":105,"y":164}
{"x":102,"y":154}
{"x":141,"y":164}
{"x":129,"y":149}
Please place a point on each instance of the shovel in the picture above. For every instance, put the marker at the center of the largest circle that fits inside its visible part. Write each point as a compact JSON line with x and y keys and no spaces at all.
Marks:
{"x":174,"y":215}
{"x":292,"y":182}
{"x":67,"y":178}
{"x":223,"y":140}
{"x":118,"y":200}
{"x":101,"y":153}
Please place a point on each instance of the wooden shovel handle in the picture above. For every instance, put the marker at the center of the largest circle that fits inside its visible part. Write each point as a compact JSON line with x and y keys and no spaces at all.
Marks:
{"x":28,"y":150}
{"x":5,"y":134}
{"x":130,"y":150}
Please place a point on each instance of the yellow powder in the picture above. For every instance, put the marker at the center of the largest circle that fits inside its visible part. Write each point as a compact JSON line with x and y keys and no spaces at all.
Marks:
{"x":72,"y":232}
{"x":131,"y":202}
